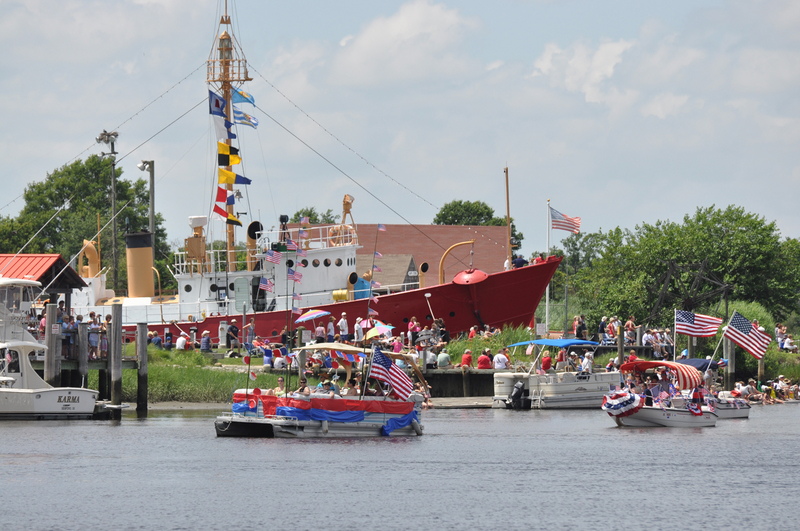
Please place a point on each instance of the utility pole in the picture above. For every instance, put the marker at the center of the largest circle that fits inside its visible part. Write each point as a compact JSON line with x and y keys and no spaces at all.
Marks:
{"x":149,"y":165}
{"x":109,"y":139}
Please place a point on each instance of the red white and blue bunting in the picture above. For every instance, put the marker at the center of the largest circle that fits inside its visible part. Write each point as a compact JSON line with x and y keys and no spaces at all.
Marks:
{"x":622,"y":404}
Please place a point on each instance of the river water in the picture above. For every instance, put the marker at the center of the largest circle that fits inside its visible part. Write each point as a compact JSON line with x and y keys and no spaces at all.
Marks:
{"x":483,"y":469}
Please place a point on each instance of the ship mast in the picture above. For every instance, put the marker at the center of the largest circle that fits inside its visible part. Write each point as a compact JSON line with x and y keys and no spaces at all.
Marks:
{"x":226,"y":66}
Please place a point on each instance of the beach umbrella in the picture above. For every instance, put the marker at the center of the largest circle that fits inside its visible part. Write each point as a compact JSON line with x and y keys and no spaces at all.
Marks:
{"x":312,"y":314}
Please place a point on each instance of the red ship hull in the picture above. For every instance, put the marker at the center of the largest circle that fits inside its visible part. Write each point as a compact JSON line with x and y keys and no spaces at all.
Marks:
{"x":507,"y":298}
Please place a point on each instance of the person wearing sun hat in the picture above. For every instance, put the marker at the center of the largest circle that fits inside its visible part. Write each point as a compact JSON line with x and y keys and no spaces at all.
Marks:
{"x":232,"y":335}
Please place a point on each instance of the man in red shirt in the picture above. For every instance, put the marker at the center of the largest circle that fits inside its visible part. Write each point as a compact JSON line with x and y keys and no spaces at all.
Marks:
{"x":484,"y":361}
{"x":466,"y":359}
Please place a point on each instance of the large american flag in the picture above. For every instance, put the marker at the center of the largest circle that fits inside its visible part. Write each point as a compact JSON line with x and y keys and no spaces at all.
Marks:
{"x":384,"y":370}
{"x":562,"y":222}
{"x":742,"y":332}
{"x":273,"y":256}
{"x":265,"y":284}
{"x":696,"y":324}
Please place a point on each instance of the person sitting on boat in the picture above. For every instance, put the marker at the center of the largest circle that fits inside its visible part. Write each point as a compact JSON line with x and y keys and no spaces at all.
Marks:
{"x":351,"y":389}
{"x":587,"y":363}
{"x":304,"y":389}
{"x":280,"y":390}
{"x":501,"y":360}
{"x":547,"y":361}
{"x":611,"y":367}
{"x":485,"y":359}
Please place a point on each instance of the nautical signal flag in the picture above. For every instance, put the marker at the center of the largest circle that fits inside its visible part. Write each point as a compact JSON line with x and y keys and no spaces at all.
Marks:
{"x":240,"y":96}
{"x":227,"y":155}
{"x":381,"y":227}
{"x":216,"y":104}
{"x":562,"y":222}
{"x":228,"y":177}
{"x":230,"y":219}
{"x":272,"y":256}
{"x":243,"y":118}
{"x":743,"y":333}
{"x":266,"y":284}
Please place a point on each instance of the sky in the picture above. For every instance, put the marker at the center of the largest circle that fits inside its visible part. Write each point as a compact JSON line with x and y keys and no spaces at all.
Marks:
{"x":620,"y":112}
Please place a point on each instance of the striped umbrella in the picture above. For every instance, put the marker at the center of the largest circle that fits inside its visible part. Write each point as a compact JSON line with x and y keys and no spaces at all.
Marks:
{"x":312,"y":314}
{"x":688,"y":376}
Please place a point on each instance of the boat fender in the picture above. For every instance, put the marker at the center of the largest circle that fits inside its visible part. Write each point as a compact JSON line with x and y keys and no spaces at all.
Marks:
{"x":325,"y":427}
{"x":417,"y":427}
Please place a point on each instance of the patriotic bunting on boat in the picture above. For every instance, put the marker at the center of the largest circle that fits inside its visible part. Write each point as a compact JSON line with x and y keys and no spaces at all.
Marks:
{"x":742,"y":332}
{"x":696,"y":324}
{"x":272,"y":256}
{"x":562,"y":222}
{"x":266,"y":284}
{"x":240,"y":96}
{"x":228,"y":177}
{"x":227,"y":155}
{"x":622,"y":404}
{"x":384,"y":370}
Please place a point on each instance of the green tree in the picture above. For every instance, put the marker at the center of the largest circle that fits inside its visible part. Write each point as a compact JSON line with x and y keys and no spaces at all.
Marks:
{"x":314,"y":217}
{"x":83,"y":188}
{"x":474,"y":213}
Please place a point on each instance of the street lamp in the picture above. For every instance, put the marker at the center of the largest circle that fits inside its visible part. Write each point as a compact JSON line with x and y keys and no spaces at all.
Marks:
{"x":109,"y":138}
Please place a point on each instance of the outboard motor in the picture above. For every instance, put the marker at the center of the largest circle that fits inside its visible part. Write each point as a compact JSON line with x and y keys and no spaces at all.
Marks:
{"x":517,"y":394}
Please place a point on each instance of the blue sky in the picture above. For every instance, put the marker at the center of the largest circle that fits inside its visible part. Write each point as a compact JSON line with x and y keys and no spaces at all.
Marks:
{"x":619,"y":112}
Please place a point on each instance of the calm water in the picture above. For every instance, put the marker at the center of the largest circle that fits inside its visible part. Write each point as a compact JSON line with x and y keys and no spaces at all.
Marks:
{"x":483,"y":469}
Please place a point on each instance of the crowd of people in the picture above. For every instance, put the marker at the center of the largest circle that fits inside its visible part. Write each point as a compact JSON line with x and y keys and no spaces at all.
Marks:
{"x":98,"y":328}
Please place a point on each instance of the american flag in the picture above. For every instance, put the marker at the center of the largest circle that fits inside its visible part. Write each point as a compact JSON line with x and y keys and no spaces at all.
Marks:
{"x":302,"y":252}
{"x":696,"y":324}
{"x":381,"y":227}
{"x":373,"y":298}
{"x":291,"y":245}
{"x":376,"y":268}
{"x":273,"y":256}
{"x":741,"y":332}
{"x":378,"y":255}
{"x":266,"y":284}
{"x":298,"y":311}
{"x":297,"y":296}
{"x":375,"y":284}
{"x":304,"y":220}
{"x":302,"y":233}
{"x":562,"y":222}
{"x":384,"y":370}
{"x":663,"y":395}
{"x":373,"y":312}
{"x":294,"y":275}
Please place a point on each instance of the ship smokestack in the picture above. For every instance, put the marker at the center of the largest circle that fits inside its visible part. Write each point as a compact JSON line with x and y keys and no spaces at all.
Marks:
{"x":139,"y":251}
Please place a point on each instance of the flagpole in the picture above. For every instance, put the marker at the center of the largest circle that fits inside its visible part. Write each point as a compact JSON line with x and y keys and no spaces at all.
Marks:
{"x":674,"y":331}
{"x":547,"y":290}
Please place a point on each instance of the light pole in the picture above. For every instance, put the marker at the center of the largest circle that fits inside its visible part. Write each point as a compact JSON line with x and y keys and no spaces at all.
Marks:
{"x":149,"y":165}
{"x":109,"y":139}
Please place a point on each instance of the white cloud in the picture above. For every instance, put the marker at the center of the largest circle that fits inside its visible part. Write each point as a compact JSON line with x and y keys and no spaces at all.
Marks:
{"x":663,"y":105}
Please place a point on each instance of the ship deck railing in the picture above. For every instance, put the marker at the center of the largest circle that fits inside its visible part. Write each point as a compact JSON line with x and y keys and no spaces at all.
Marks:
{"x":319,"y":237}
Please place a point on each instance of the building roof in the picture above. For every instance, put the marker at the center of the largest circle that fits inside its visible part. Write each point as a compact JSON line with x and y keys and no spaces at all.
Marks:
{"x":427,"y":243}
{"x":43,"y":268}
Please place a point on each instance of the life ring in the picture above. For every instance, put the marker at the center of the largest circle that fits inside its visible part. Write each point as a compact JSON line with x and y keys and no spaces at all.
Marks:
{"x":337,"y":234}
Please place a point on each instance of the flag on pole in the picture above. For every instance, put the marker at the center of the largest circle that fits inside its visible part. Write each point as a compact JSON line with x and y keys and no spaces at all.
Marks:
{"x":742,"y":332}
{"x":562,"y":222}
{"x":231,"y":199}
{"x":291,"y":245}
{"x":302,"y":252}
{"x":296,"y":310}
{"x":372,"y":311}
{"x":294,"y":275}
{"x":297,"y":297}
{"x":216,"y":104}
{"x":378,"y":255}
{"x":266,"y":284}
{"x":227,"y":155}
{"x":381,"y":227}
{"x":273,"y":256}
{"x":304,"y":220}
{"x":375,"y":284}
{"x":384,"y":370}
{"x":240,"y":96}
{"x":373,"y":298}
{"x":230,"y":219}
{"x":696,"y":324}
{"x":222,"y":195}
{"x":222,"y":128}
{"x":243,"y":118}
{"x":376,"y":268}
{"x":228,"y":177}
{"x":302,"y":233}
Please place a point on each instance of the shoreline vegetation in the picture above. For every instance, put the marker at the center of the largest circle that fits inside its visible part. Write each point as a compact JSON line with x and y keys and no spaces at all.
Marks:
{"x":188,"y":377}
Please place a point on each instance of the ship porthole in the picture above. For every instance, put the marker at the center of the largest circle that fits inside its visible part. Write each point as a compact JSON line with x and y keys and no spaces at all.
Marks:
{"x":315,"y":263}
{"x":187,"y":288}
{"x":304,"y":262}
{"x":327,"y":262}
{"x":452,"y":314}
{"x":338,"y":262}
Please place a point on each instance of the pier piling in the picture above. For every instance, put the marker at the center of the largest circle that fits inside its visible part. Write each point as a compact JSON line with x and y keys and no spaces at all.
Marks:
{"x":141,"y":355}
{"x":115,"y":358}
{"x":82,"y":353}
{"x":52,"y":365}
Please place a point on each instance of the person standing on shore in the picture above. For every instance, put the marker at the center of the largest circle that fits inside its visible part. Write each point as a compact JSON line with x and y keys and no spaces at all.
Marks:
{"x":344,"y":328}
{"x":331,"y":329}
{"x":232,"y":335}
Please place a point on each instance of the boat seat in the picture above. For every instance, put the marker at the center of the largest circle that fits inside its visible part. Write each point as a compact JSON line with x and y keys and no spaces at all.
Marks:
{"x":560,"y":365}
{"x":568,"y":377}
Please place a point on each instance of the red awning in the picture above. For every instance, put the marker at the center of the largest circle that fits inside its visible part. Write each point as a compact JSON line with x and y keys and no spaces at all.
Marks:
{"x":688,"y":376}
